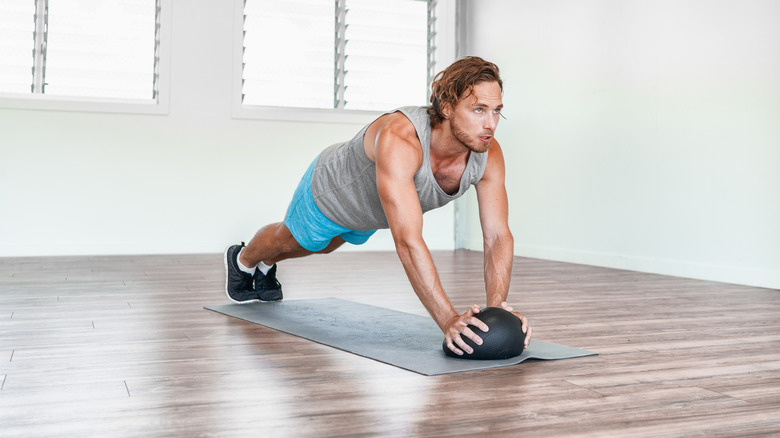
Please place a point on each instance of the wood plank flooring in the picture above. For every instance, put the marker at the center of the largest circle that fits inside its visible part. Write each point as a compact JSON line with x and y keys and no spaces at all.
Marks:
{"x":121,"y":346}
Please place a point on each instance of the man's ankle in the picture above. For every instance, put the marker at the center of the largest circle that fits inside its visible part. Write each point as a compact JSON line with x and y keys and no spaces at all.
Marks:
{"x":262,"y":267}
{"x":242,"y":266}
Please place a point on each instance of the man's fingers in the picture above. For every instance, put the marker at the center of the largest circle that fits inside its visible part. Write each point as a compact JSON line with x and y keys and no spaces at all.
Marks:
{"x":526,"y":329}
{"x":463,"y":345}
{"x":528,"y":337}
{"x":472,"y":320}
{"x":453,"y":348}
{"x":460,"y":329}
{"x":525,"y":323}
{"x":467,"y":332}
{"x":476,"y":322}
{"x":456,"y":340}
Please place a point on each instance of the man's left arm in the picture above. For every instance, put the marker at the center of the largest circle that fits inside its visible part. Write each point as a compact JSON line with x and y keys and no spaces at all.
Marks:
{"x":497,"y":238}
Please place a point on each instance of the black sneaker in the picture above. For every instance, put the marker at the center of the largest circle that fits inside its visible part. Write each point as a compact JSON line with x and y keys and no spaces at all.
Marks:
{"x":267,"y":287}
{"x":238,"y":284}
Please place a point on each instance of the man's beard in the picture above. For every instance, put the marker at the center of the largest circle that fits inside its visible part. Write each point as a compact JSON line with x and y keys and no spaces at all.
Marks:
{"x":473,"y":144}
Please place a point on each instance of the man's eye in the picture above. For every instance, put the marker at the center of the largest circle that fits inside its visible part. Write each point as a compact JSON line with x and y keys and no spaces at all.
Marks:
{"x":478,"y":110}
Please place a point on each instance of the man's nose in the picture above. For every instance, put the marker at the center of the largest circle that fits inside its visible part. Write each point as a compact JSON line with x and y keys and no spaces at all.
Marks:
{"x":491,"y":121}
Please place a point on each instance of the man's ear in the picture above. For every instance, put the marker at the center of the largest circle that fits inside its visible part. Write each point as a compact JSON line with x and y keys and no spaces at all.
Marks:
{"x":446,"y":110}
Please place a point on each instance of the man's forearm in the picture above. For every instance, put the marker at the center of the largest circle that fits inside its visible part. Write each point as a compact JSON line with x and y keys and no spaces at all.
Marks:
{"x":498,"y":269}
{"x":419,"y":267}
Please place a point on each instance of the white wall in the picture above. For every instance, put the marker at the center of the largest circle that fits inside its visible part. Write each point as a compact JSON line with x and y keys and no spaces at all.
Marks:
{"x":194,"y":180}
{"x":640,"y":135}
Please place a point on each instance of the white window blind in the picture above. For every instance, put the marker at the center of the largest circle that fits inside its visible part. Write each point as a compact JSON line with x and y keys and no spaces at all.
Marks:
{"x":82,"y":48}
{"x":17,"y":25}
{"x":288,"y":53}
{"x":344,"y":54}
{"x":387,"y":54}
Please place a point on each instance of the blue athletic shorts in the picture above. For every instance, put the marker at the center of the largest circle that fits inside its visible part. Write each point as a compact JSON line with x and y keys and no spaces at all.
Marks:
{"x":312,"y":229}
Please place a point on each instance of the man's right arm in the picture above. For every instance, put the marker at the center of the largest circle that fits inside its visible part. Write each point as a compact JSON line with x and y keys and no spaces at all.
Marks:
{"x":398,"y":155}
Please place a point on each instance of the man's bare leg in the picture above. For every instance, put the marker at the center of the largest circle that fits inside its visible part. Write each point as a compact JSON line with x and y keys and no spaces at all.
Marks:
{"x":271,"y":244}
{"x":274,"y":243}
{"x":332,"y":246}
{"x":268,"y":244}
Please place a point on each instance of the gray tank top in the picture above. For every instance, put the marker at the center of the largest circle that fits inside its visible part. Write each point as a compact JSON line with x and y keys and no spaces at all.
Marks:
{"x":344,"y":180}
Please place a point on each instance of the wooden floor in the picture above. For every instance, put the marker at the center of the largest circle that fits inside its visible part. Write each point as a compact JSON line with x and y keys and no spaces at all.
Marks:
{"x":121,"y":346}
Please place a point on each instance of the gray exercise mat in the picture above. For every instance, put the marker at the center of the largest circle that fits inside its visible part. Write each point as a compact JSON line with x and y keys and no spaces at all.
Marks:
{"x":408,"y":341}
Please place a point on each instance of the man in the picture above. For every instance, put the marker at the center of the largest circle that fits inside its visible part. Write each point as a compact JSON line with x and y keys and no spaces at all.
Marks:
{"x":403,"y":164}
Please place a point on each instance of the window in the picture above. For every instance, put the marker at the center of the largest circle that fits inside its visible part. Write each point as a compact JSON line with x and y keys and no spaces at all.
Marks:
{"x":17,"y":27}
{"x":81,"y":48}
{"x":336,"y":54}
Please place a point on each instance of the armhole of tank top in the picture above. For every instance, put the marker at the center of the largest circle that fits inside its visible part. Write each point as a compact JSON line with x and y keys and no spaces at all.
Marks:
{"x":426,"y":151}
{"x":362,"y":135}
{"x":403,"y":110}
{"x":365,"y":129}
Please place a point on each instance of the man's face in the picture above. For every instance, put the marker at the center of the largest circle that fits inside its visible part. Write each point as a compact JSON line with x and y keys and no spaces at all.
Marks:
{"x":475,"y":116}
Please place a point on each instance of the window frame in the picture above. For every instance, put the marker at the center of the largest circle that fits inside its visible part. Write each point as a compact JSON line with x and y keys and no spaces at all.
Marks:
{"x":158,"y":106}
{"x":444,"y":43}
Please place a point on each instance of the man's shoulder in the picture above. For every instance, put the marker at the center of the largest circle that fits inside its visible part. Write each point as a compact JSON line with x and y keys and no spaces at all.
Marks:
{"x":397,"y":142}
{"x":397,"y":125}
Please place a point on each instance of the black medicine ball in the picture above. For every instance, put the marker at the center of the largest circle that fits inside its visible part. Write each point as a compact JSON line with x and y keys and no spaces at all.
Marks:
{"x":504,"y":338}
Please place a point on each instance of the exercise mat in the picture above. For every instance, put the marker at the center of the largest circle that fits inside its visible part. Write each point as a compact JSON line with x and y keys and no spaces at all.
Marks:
{"x":408,"y":341}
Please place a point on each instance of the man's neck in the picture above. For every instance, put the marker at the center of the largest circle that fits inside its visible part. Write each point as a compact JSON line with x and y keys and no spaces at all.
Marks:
{"x":445,"y":147}
{"x":449,"y":158}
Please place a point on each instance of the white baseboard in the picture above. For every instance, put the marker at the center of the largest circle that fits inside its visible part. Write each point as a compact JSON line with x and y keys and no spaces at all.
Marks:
{"x":678,"y":268}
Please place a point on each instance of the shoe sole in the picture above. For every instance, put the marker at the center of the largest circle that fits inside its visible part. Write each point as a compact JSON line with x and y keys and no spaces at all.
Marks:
{"x":227,"y":280}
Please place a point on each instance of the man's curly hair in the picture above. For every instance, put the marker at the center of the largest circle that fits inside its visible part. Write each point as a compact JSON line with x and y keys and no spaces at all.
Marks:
{"x":450,"y":83}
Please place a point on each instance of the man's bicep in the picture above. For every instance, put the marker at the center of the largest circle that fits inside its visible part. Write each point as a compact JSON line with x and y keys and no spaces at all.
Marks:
{"x":395,"y":184}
